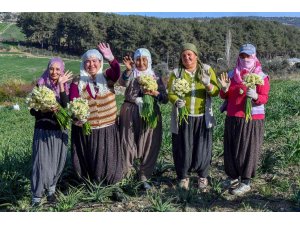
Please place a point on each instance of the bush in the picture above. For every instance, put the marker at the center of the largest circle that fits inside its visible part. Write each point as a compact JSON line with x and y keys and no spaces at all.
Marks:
{"x":14,"y":88}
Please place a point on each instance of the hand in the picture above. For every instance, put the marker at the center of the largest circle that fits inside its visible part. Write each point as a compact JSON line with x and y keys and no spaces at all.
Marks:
{"x":180,"y":103}
{"x":205,"y":78}
{"x":224,"y":81}
{"x":251,"y":93}
{"x":128,"y":62}
{"x":152,"y":93}
{"x":65,"y":77}
{"x":79,"y":123}
{"x":54,"y":108}
{"x":106,"y":51}
{"x":139,"y":102}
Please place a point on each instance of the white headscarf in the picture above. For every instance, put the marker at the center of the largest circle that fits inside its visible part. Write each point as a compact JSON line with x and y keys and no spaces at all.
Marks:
{"x":139,"y":53}
{"x":85,"y":77}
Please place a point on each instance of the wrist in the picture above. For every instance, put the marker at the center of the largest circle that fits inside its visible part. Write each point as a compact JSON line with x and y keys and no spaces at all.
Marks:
{"x":110,"y":58}
{"x":128,"y":71}
{"x":61,"y":87}
{"x":209,"y":87}
{"x":224,"y":89}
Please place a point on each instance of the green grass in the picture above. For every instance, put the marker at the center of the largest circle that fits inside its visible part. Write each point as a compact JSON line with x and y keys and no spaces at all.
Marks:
{"x":3,"y":26}
{"x":29,"y":68}
{"x":12,"y":33}
{"x":276,"y":185}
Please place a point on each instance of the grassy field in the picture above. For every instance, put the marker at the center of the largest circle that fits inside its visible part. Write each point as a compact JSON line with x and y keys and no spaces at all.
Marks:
{"x":28,"y":68}
{"x":275,"y":188}
{"x":10,"y":32}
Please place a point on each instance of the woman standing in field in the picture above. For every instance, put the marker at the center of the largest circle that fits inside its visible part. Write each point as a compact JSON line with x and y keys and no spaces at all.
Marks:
{"x":242,"y":138}
{"x":49,"y":149}
{"x":97,"y":156}
{"x":192,"y":136}
{"x":138,"y":140}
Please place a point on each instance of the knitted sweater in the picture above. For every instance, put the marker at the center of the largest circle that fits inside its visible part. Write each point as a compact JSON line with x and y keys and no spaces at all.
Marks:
{"x":195,"y":100}
{"x":102,"y":108}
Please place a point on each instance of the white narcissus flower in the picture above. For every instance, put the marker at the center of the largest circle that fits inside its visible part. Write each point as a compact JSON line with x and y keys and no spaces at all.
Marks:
{"x":181,"y":87}
{"x":252,"y":79}
{"x":79,"y":108}
{"x":41,"y":98}
{"x":148,"y":82}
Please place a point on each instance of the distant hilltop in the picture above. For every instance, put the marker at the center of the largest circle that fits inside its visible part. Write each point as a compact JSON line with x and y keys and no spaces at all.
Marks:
{"x":11,"y":17}
{"x":292,"y":21}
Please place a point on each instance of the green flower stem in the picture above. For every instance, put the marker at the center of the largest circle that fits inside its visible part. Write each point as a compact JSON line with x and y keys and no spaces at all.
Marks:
{"x":148,"y":113}
{"x":87,"y":130}
{"x":183,"y":114}
{"x":248,"y":109}
{"x":63,"y":118}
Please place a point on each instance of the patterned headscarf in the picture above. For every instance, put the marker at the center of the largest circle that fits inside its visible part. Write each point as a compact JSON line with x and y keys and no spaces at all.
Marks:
{"x":246,"y":66}
{"x":46,"y":80}
{"x":139,"y":53}
{"x":85,"y":77}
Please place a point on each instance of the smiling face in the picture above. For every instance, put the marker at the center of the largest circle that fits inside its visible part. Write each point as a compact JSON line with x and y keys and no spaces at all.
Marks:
{"x":54,"y":71}
{"x":92,"y":66}
{"x":189,"y":60}
{"x":141,"y":63}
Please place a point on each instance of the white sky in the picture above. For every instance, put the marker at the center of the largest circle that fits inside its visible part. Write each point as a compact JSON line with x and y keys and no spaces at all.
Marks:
{"x":149,"y":6}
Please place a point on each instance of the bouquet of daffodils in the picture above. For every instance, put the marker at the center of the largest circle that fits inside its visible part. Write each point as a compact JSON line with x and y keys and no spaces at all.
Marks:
{"x":79,"y":109}
{"x":148,"y":114}
{"x":43,"y":99}
{"x":250,"y":81}
{"x":181,"y":87}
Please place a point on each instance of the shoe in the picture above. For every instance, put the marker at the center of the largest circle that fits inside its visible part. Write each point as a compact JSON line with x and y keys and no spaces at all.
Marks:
{"x":202,"y":182}
{"x":184,"y":183}
{"x":241,"y":189}
{"x":146,"y":185}
{"x":36,"y":204}
{"x":118,"y":196}
{"x":230,"y":183}
{"x":51,"y":199}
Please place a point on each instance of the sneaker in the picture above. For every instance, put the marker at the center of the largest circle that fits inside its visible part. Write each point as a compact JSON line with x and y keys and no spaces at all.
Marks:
{"x":36,"y":202}
{"x":230,"y":183}
{"x":241,"y":189}
{"x":118,"y":196}
{"x":146,"y":185}
{"x":51,"y":199}
{"x":202,"y":182}
{"x":184,"y":183}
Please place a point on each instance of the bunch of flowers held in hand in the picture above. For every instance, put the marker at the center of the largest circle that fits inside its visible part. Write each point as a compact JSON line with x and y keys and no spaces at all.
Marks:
{"x":250,"y":81}
{"x":43,"y":99}
{"x":181,"y":87}
{"x":79,"y":109}
{"x":148,"y":82}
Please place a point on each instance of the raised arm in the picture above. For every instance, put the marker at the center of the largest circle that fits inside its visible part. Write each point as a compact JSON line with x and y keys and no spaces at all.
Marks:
{"x":113,"y":73}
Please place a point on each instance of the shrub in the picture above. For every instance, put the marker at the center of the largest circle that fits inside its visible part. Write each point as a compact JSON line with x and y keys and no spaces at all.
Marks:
{"x":14,"y":88}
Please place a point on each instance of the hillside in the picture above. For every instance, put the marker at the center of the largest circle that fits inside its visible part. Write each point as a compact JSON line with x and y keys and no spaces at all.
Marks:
{"x":163,"y":37}
{"x":292,"y":21}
